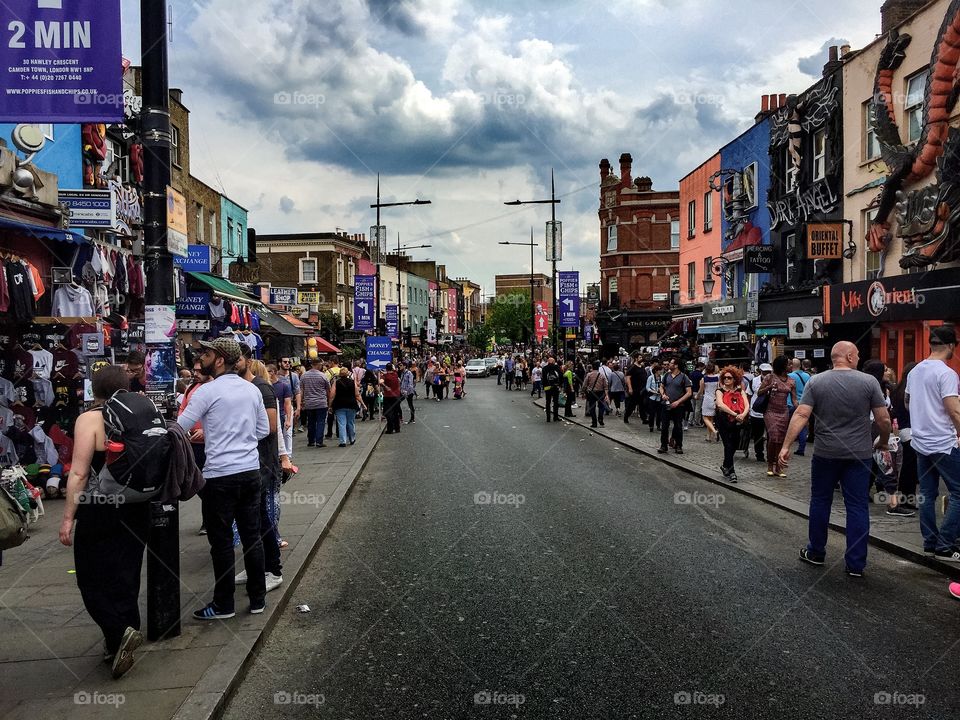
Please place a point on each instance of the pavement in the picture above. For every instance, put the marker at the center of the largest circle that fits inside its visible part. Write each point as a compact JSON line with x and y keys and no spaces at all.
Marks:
{"x":489,"y":564}
{"x":703,"y":459}
{"x":50,"y":655}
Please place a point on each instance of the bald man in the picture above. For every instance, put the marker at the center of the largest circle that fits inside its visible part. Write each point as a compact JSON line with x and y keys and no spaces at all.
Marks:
{"x":842,"y":400}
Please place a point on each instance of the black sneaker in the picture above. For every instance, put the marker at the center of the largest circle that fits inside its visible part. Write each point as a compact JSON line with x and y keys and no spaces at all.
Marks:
{"x":257,"y":608}
{"x":663,"y":450}
{"x":679,"y":451}
{"x":732,"y":477}
{"x":855,"y":573}
{"x":808,"y":557}
{"x":900,"y":511}
{"x":210,"y":612}
{"x":930,"y":552}
{"x":951,"y":555}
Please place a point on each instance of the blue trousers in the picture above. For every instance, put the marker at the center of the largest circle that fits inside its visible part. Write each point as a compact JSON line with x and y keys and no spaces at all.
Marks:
{"x":345,"y":425}
{"x":802,"y":437}
{"x":853,"y":477}
{"x":931,"y":468}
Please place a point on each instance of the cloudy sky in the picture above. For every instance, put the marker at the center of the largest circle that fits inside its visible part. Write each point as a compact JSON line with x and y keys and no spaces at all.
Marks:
{"x":296,"y":105}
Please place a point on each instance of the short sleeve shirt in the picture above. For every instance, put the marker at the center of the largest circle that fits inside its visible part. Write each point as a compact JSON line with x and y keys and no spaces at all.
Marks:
{"x":282,"y":390}
{"x":675,"y":387}
{"x":841,"y":401}
{"x":932,"y":430}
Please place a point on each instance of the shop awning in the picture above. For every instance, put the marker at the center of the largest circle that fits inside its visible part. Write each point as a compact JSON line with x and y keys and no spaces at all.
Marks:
{"x":324,"y":347}
{"x":279,"y":324}
{"x":42,"y":232}
{"x":297,"y":322}
{"x":717,"y":329}
{"x":224,"y":288}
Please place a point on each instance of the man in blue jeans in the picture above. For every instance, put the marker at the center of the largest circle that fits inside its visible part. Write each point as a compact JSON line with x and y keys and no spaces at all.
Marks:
{"x":841,"y":399}
{"x":932,"y":398}
{"x":800,"y":379}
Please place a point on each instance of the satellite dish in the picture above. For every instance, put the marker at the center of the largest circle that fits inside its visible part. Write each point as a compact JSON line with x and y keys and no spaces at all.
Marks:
{"x":28,"y":139}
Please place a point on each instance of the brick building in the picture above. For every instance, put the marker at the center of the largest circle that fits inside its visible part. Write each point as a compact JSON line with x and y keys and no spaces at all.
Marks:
{"x":639,"y":255}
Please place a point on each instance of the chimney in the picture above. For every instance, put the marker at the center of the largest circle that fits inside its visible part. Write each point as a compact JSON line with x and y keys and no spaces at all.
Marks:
{"x":604,"y":169}
{"x":626,"y":160}
{"x":177,"y":94}
{"x":783,"y":100}
{"x":774,"y":103}
{"x":765,"y":104}
{"x":644,"y":184}
{"x":895,"y":12}
{"x":833,"y":62}
{"x":844,"y":51}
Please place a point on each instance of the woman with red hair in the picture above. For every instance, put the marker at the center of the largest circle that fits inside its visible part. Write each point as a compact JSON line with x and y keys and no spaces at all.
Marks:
{"x":731,"y":413}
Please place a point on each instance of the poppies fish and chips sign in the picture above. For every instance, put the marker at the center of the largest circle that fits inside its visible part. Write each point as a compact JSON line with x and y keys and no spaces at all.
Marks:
{"x":60,"y":61}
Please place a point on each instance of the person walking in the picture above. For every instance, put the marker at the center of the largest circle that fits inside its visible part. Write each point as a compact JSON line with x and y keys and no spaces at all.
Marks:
{"x":618,"y":386}
{"x":776,"y":417}
{"x":345,"y":400}
{"x":800,"y":379}
{"x":333,"y":372}
{"x":408,"y":388}
{"x":696,"y":375}
{"x":281,"y":387}
{"x":508,"y":370}
{"x":675,"y":390}
{"x":428,"y":373}
{"x":654,"y":401}
{"x":932,"y":398}
{"x":731,"y":414}
{"x":391,"y":398}
{"x":536,"y":373}
{"x":569,"y":389}
{"x":370,"y":390}
{"x":500,"y":369}
{"x":551,"y":379}
{"x":316,"y":392}
{"x":287,"y":372}
{"x":595,"y":392}
{"x":196,"y":434}
{"x":758,"y":427}
{"x":907,"y":479}
{"x":883,"y":475}
{"x":708,"y":400}
{"x":842,"y":399}
{"x":234,"y":421}
{"x":636,"y":384}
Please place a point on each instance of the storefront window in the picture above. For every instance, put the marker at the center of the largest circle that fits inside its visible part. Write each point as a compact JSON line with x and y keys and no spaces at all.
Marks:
{"x":893,"y":349}
{"x":875,"y":343}
{"x":909,"y":346}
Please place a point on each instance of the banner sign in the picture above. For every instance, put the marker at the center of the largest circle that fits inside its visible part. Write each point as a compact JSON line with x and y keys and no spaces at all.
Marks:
{"x":197,"y":259}
{"x":363,"y":304}
{"x":900,"y":298}
{"x":805,"y":328}
{"x":569,"y":285}
{"x":432,"y":331}
{"x":283,"y":296}
{"x":60,"y":62}
{"x":89,"y":208}
{"x":193,"y":304}
{"x":541,"y":322}
{"x":588,"y":333}
{"x":759,"y":258}
{"x":393,"y":324}
{"x":379,"y":351}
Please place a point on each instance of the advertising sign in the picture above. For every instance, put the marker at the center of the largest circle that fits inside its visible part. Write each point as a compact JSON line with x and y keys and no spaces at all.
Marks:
{"x":554,"y":246}
{"x":363,"y":305}
{"x":541,"y":322}
{"x":588,"y":333}
{"x":197,"y":259}
{"x":432,"y":330}
{"x":805,"y":328}
{"x":393,"y":324}
{"x":569,"y":285}
{"x":176,"y":223}
{"x":825,"y":241}
{"x":308,"y":298}
{"x":60,"y":61}
{"x":283,"y":296}
{"x":193,"y":304}
{"x":379,"y":351}
{"x":160,"y":324}
{"x":759,"y":258}
{"x":452,"y":310}
{"x":89,"y":208}
{"x":919,"y":296}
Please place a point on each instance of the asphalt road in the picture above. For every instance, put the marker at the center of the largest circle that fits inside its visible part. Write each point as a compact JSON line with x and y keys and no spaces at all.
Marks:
{"x":579,"y":584}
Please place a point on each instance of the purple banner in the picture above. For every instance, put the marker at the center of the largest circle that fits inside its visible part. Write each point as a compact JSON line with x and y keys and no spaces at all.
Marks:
{"x":60,"y":61}
{"x":363,"y":302}
{"x":393,"y":323}
{"x":569,"y":303}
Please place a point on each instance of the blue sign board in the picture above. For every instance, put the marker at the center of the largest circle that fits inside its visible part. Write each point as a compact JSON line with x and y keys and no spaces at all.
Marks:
{"x":393,"y":321}
{"x":193,"y":304}
{"x":197,"y":259}
{"x":588,"y":333}
{"x":379,"y":351}
{"x":363,"y":302}
{"x":283,"y":296}
{"x":60,"y":62}
{"x":569,"y":303}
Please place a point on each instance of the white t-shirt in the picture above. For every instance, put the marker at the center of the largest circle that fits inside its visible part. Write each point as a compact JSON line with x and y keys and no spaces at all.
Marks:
{"x":42,"y":363}
{"x":537,"y":373}
{"x":754,"y":386}
{"x":931,"y":428}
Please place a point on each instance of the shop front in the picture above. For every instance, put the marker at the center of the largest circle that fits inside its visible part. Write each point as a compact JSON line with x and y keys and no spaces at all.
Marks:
{"x":890,"y":318}
{"x":791,"y":324}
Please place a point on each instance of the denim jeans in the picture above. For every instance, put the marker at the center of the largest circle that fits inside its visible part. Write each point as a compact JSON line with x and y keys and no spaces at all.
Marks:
{"x":930,"y":469}
{"x":346,"y":429}
{"x":853,"y":477}
{"x":802,"y":437}
{"x":225,"y":499}
{"x":316,"y":419}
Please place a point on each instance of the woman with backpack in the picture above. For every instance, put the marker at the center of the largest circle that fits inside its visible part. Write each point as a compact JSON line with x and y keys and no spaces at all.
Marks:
{"x":731,"y":413}
{"x":371,"y":388}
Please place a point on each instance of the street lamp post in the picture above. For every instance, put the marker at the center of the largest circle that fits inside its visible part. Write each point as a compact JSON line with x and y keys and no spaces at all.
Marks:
{"x":399,"y":294}
{"x":533,"y":312}
{"x":553,"y":202}
{"x":378,"y":205}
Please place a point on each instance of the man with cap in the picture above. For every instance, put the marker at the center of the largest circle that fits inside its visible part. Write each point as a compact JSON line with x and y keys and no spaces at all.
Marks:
{"x":231,"y":412}
{"x":932,"y":399}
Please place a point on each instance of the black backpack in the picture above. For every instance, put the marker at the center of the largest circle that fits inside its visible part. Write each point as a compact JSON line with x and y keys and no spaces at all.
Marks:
{"x":551,"y":377}
{"x":138,"y":471}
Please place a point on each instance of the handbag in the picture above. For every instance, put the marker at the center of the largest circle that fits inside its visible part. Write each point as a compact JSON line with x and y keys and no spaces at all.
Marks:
{"x":761,"y":404}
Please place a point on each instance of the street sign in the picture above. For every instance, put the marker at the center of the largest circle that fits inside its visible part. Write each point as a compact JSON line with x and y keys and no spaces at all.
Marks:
{"x":569,"y":284}
{"x":363,"y":302}
{"x":379,"y":351}
{"x":194,"y":304}
{"x":197,"y":259}
{"x":60,"y":61}
{"x":283,"y":296}
{"x":759,"y":258}
{"x":393,"y":317}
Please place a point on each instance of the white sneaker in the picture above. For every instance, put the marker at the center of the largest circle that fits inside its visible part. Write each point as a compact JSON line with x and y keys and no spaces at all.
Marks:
{"x":273,"y":581}
{"x":241,"y":578}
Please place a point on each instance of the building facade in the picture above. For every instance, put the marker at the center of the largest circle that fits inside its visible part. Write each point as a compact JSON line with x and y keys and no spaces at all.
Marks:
{"x":233,"y":233}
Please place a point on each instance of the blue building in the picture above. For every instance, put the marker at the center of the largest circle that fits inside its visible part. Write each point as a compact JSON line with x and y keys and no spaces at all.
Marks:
{"x":61,"y":153}
{"x":233,"y":231}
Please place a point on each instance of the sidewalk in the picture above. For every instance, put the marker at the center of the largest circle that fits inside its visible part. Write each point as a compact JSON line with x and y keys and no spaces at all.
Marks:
{"x":900,"y":536}
{"x":50,"y":657}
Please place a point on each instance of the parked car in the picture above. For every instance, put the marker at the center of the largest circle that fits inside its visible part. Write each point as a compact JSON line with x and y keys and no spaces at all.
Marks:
{"x":491,"y":363}
{"x":477,"y":368}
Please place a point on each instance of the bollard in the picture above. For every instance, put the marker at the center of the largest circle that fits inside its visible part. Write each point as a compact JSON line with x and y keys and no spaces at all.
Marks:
{"x":163,"y":572}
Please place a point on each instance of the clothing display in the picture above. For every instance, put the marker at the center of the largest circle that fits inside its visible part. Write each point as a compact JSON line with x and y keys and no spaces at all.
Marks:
{"x":21,"y":289}
{"x":72,"y":301}
{"x":42,"y":362}
{"x":761,"y":352}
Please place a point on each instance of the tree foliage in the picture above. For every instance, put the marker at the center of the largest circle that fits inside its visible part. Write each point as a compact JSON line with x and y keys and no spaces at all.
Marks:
{"x":509,"y":316}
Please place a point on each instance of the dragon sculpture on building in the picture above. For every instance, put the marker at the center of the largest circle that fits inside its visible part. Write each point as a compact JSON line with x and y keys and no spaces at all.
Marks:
{"x":928,"y":218}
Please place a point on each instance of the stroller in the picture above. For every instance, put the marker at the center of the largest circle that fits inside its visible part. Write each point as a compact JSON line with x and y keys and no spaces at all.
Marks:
{"x":458,"y":391}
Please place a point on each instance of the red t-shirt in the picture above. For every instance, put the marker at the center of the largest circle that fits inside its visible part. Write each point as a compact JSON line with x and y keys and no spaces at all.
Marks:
{"x":391,"y":385}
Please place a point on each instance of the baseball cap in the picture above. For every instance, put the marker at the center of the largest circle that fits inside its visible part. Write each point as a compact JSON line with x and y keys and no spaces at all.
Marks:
{"x":766,"y":367}
{"x":943,"y":335}
{"x":226,"y":348}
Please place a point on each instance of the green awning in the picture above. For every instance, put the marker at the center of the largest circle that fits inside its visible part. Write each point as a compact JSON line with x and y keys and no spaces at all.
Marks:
{"x":273,"y":320}
{"x":225,"y":288}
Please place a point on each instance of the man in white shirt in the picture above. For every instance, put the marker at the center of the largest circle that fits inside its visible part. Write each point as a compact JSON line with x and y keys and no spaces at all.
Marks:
{"x":230,"y":410}
{"x":932,"y":398}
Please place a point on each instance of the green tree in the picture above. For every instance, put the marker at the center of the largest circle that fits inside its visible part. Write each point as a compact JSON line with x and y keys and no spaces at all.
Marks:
{"x":480,"y":336}
{"x":509,"y":316}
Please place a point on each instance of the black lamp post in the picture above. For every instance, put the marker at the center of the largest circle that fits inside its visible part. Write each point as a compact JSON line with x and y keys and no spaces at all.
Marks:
{"x":551,"y":248}
{"x":533,"y":312}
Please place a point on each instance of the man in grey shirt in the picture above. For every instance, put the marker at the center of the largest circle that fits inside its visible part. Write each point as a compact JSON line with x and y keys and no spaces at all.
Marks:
{"x":316,"y":392}
{"x":841,"y":399}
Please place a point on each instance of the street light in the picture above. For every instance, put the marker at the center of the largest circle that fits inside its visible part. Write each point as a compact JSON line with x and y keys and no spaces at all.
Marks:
{"x":381,"y":237}
{"x":719,"y":268}
{"x":533,"y":312}
{"x":551,"y":248}
{"x":399,"y":294}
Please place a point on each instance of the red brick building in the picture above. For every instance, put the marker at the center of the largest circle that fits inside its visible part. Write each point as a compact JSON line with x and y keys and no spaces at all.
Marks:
{"x":639,"y":257}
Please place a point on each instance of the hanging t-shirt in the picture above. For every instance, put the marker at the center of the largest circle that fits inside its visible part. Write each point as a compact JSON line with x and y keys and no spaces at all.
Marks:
{"x":42,"y":363}
{"x":19,"y":286}
{"x":19,"y":364}
{"x":7,"y":395}
{"x":65,"y":363}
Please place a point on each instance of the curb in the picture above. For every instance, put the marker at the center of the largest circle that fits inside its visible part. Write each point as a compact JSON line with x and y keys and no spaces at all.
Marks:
{"x":772,"y":498}
{"x":215,"y":687}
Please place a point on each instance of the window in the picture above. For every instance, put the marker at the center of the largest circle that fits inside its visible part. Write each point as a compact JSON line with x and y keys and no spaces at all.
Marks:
{"x":707,"y":267}
{"x":340,"y":270}
{"x":707,"y":212}
{"x":308,"y":270}
{"x":790,"y":172}
{"x":229,"y":237}
{"x":871,"y":149}
{"x":691,"y":280}
{"x":872,"y":259}
{"x":611,"y":238}
{"x":914,"y":105}
{"x":351,"y":273}
{"x":674,"y":234}
{"x":175,"y":145}
{"x":239,"y":239}
{"x":212,"y":217}
{"x":199,"y":215}
{"x":341,"y":306}
{"x":390,"y":290}
{"x":750,"y":184}
{"x":820,"y":155}
{"x":791,"y":246}
{"x":691,"y":218}
{"x":612,"y":289}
